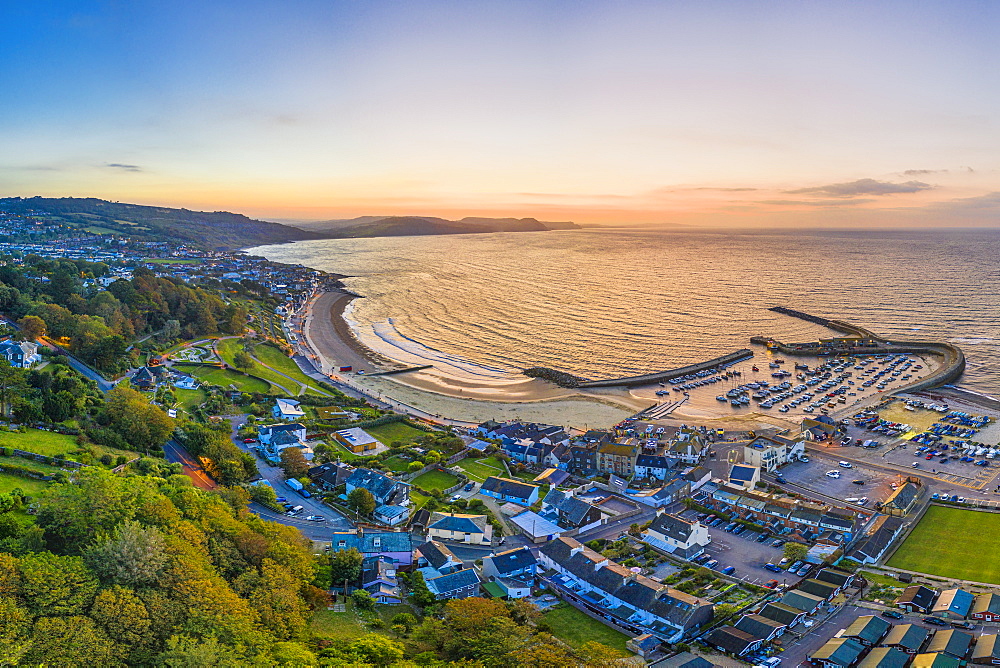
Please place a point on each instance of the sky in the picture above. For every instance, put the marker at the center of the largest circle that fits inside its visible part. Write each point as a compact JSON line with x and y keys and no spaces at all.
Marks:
{"x":763,"y":113}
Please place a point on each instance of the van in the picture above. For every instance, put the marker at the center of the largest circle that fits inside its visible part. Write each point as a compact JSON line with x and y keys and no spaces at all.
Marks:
{"x":845,"y":465}
{"x":295,"y":511}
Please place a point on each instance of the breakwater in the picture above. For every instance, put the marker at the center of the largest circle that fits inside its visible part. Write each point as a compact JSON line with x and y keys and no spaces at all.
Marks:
{"x":868,"y":343}
{"x":660,"y":376}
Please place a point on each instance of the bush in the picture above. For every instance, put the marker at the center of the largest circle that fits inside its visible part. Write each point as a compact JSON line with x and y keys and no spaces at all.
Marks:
{"x":106,"y":460}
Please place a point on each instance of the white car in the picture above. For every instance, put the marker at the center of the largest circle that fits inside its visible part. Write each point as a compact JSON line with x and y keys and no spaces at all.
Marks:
{"x":846,"y":465}
{"x":833,"y":474}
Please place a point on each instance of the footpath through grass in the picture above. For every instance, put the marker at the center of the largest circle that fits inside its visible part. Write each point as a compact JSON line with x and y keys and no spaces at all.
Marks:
{"x":226,"y":377}
{"x":954,"y":543}
{"x":481,"y":469}
{"x":276,"y":359}
{"x":575,"y":628}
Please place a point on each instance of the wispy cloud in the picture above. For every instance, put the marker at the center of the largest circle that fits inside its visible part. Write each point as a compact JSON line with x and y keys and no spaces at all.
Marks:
{"x":924,"y":172}
{"x":863,"y":187}
{"x":817,"y":202}
{"x":124,"y":167}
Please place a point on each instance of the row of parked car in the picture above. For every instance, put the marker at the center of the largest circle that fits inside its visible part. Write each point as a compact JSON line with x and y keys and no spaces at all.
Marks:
{"x":734,"y":528}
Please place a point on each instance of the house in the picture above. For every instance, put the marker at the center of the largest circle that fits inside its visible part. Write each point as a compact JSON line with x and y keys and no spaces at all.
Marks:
{"x":820,"y":429}
{"x":743,"y":476}
{"x":953,"y":604}
{"x":457,"y":584}
{"x":607,"y":588}
{"x":330,"y":475}
{"x":683,"y":660}
{"x":987,"y":650}
{"x":697,"y":476}
{"x":266,"y":433}
{"x":877,"y":538}
{"x":143,"y":379}
{"x":438,"y":557}
{"x":674,"y":490}
{"x":618,"y":458}
{"x":287,"y":409}
{"x":20,"y":354}
{"x":391,"y":515}
{"x":516,"y":563}
{"x":653,"y":466}
{"x":386,"y":490}
{"x":867,"y":630}
{"x":731,"y":640}
{"x":837,"y":653}
{"x":583,"y":458}
{"x":782,"y":614}
{"x":801,"y":601}
{"x":761,"y":627}
{"x":506,"y":489}
{"x":986,"y":607}
{"x":182,"y":381}
{"x":824,"y":590}
{"x":952,"y":642}
{"x":394,"y":545}
{"x":935,"y":660}
{"x":644,"y":645}
{"x":901,"y":500}
{"x":552,"y":477}
{"x":908,"y":638}
{"x":508,"y":588}
{"x":684,"y":538}
{"x":885,"y":657}
{"x":570,"y":512}
{"x":770,"y":452}
{"x":378,"y":578}
{"x":842,"y":579}
{"x":917,"y":598}
{"x":688,"y":447}
{"x":473,"y":529}
{"x":358,"y":441}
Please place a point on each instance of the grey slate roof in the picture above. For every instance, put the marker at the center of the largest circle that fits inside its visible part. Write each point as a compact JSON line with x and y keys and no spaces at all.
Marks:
{"x":389,"y":541}
{"x":508,"y":487}
{"x":801,"y":600}
{"x":779,"y":612}
{"x":987,"y":603}
{"x":452,"y":582}
{"x":672,"y":526}
{"x":987,"y":648}
{"x":512,"y":561}
{"x":436,"y":554}
{"x":885,"y":657}
{"x":951,"y":641}
{"x":868,"y":628}
{"x":757,"y":626}
{"x":683,"y":660}
{"x":834,"y":576}
{"x":818,"y":588}
{"x":919,"y":595}
{"x":382,"y":487}
{"x":730,"y":639}
{"x":454,"y":522}
{"x":841,"y":651}
{"x":907,"y":636}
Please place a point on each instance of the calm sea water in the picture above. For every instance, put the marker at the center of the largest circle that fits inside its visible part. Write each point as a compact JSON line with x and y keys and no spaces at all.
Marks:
{"x":606,"y":303}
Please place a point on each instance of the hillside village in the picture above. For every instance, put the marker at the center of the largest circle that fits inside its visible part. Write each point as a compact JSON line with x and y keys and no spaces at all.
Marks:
{"x":650,"y":542}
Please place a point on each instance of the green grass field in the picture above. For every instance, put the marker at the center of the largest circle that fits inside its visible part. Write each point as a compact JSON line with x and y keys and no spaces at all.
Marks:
{"x":435,"y":479}
{"x":29,"y":486}
{"x":396,"y":464}
{"x":190,"y":399}
{"x":227,"y":377}
{"x":395,"y":431}
{"x":276,"y":359}
{"x":481,"y":469}
{"x":575,"y":628}
{"x":337,"y":625}
{"x":954,"y":543}
{"x":40,"y":442}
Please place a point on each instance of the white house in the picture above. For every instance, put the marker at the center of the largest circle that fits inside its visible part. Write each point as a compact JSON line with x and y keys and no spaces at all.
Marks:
{"x":744,"y":476}
{"x":769,"y":452}
{"x":277,"y":437}
{"x":678,"y":536}
{"x":287,"y":409}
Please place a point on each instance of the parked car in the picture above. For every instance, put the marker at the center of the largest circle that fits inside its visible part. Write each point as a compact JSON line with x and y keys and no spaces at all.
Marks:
{"x":935,"y":621}
{"x":780,"y":478}
{"x":778,"y":543}
{"x":763,"y":537}
{"x":964,"y":625}
{"x":771,"y":567}
{"x":728,"y":570}
{"x":795,"y":566}
{"x":833,"y":474}
{"x":712,"y":563}
{"x":469,"y":487}
{"x":859,"y":481}
{"x":249,"y":440}
{"x":281,"y":499}
{"x":892,"y":614}
{"x":802,"y":572}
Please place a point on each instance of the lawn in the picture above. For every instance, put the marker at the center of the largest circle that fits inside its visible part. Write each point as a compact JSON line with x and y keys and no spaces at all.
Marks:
{"x":226,"y":377}
{"x":40,"y":442}
{"x":575,"y":628}
{"x":396,"y":464}
{"x":29,"y":486}
{"x":276,"y":359}
{"x":435,"y":479}
{"x":190,"y":399}
{"x":337,"y":625}
{"x":481,"y":469}
{"x":952,"y":542}
{"x":395,"y":431}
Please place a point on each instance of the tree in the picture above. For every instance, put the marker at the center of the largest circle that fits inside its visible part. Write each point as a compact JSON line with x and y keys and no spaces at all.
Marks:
{"x":361,"y":501}
{"x":123,"y":616}
{"x":419,"y":591}
{"x":345,"y":566}
{"x":264,"y":494}
{"x":14,"y":624}
{"x":598,"y":655}
{"x":54,"y":585}
{"x":70,"y":641}
{"x":724,"y":610}
{"x":292,"y":654}
{"x":795,"y":551}
{"x":141,"y":424}
{"x":32,"y":327}
{"x":376,"y":649}
{"x":293,"y":462}
{"x":243,"y":360}
{"x":362,"y":599}
{"x":404,"y":619}
{"x":133,"y":556}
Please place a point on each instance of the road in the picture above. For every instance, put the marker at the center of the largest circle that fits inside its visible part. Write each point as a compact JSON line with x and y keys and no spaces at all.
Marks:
{"x":173,"y":452}
{"x":276,"y":478}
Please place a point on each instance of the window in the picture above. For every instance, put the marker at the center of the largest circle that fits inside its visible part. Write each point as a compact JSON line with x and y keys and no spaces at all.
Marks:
{"x":342,"y":543}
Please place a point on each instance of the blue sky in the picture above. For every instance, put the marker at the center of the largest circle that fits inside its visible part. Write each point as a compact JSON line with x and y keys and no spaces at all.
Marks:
{"x":785,"y":113}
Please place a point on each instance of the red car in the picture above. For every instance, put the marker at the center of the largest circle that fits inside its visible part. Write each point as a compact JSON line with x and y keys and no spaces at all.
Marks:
{"x":771,"y":584}
{"x":249,"y":440}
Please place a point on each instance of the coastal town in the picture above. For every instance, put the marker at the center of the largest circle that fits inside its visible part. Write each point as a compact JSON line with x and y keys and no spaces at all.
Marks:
{"x":832,"y":511}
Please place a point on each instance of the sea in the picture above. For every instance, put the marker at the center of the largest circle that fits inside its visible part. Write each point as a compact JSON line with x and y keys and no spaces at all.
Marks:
{"x":603,"y":303}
